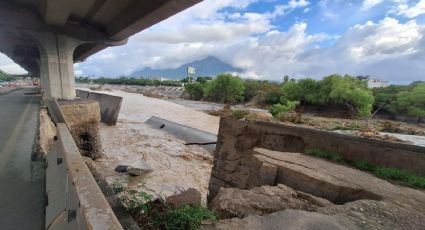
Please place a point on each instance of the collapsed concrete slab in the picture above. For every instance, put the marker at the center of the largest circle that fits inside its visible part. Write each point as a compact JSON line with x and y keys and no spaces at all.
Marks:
{"x":333,"y":182}
{"x":237,"y":139}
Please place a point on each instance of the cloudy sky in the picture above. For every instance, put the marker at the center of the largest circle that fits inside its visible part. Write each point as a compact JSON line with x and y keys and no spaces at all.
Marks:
{"x":272,"y":38}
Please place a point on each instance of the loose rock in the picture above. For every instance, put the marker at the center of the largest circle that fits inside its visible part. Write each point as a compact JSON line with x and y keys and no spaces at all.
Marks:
{"x":188,"y":197}
{"x":139,"y":169}
{"x":121,"y":168}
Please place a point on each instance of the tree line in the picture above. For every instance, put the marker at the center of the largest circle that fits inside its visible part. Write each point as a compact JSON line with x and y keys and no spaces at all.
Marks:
{"x":332,"y":92}
{"x":129,"y":81}
{"x":346,"y":92}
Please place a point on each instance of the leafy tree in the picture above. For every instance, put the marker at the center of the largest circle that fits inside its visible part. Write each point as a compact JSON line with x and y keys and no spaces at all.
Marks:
{"x":225,"y":88}
{"x":291,"y":91}
{"x":352,"y":93}
{"x":195,"y":90}
{"x":386,"y":96}
{"x":203,"y":80}
{"x":273,"y":97}
{"x":411,"y":102}
{"x":271,"y":91}
{"x":251,"y":89}
{"x":305,"y":91}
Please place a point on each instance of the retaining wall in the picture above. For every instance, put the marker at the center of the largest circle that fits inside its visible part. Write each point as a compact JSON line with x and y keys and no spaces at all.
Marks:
{"x":237,"y":139}
{"x":109,"y":105}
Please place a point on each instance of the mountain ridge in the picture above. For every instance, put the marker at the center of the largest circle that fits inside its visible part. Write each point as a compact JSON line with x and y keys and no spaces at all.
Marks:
{"x":209,"y":66}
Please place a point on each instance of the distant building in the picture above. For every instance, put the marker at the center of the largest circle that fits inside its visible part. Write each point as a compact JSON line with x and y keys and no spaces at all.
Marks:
{"x":374,"y":83}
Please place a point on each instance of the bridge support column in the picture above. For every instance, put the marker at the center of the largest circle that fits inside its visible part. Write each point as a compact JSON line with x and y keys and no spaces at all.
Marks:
{"x":57,"y":65}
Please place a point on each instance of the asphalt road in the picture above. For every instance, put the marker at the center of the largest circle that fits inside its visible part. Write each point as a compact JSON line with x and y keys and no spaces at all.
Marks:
{"x":21,"y":180}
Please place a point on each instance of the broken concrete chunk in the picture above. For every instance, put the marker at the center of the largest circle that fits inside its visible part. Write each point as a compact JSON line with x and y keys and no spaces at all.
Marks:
{"x":121,"y":168}
{"x":139,"y":168}
{"x":188,"y":197}
{"x":232,"y":202}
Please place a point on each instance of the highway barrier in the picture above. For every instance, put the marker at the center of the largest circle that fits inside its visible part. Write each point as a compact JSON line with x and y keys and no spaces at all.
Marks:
{"x":74,"y":200}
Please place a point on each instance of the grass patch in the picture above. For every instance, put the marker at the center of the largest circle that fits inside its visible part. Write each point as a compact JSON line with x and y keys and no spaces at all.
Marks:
{"x":364,"y":166}
{"x":325,"y":154}
{"x":402,"y":177}
{"x":185,"y":217}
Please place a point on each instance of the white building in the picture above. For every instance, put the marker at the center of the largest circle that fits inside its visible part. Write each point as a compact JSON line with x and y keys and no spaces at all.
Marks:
{"x":374,"y":83}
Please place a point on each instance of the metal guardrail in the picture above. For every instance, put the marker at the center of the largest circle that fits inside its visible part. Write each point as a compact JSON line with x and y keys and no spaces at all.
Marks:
{"x":74,"y":201}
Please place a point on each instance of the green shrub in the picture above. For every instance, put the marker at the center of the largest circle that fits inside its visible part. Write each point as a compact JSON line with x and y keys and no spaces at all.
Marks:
{"x":195,"y":90}
{"x":136,"y":201}
{"x":273,"y":97}
{"x":117,"y":187}
{"x":278,"y":109}
{"x":182,"y":218}
{"x":240,"y":113}
{"x":410,"y":102}
{"x":364,"y":165}
{"x":226,"y":88}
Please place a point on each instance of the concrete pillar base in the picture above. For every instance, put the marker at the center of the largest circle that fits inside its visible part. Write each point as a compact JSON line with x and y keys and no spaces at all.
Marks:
{"x":57,"y":65}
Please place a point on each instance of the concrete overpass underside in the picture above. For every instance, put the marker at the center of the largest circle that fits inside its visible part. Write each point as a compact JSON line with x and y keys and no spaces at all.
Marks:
{"x":46,"y":37}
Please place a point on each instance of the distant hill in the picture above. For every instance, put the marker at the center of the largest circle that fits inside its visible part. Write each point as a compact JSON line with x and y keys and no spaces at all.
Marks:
{"x":210,"y":66}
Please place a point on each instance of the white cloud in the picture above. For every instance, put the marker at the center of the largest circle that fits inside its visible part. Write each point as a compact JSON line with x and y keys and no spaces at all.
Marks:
{"x":298,"y":3}
{"x":387,"y":49}
{"x":107,"y":56}
{"x":409,"y":10}
{"x":368,"y":4}
{"x":8,"y":66}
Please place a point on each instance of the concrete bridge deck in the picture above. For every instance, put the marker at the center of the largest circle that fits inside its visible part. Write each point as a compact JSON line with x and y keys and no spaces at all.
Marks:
{"x":21,"y":180}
